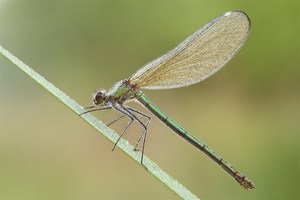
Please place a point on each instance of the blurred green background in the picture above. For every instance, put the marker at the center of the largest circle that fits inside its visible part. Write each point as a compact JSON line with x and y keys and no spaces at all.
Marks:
{"x":248,"y":112}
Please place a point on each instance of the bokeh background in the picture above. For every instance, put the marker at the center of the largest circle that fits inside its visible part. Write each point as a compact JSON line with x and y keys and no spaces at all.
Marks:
{"x":248,"y":112}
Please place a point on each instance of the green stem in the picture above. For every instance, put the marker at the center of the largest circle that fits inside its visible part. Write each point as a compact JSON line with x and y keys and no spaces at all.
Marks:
{"x":152,"y":168}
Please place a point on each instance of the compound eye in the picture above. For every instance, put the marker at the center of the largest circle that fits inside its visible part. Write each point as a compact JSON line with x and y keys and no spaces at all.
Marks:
{"x":99,"y":97}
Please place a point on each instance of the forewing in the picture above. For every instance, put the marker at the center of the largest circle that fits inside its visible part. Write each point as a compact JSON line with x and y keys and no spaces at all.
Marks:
{"x":199,"y":56}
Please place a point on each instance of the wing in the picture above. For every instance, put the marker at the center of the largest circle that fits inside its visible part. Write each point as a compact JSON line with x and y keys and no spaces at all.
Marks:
{"x":199,"y":56}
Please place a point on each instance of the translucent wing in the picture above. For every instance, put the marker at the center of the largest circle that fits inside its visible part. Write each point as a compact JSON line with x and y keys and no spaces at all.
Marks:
{"x":199,"y":56}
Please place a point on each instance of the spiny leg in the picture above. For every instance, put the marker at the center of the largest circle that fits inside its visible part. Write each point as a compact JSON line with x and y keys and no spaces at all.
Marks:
{"x":93,"y":110}
{"x":147,"y":124}
{"x":125,"y":113}
{"x":121,"y":135}
{"x":116,"y":120}
{"x":142,"y":124}
{"x":104,"y":108}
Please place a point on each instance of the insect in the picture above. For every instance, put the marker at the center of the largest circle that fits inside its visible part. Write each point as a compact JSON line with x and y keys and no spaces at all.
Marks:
{"x":198,"y":57}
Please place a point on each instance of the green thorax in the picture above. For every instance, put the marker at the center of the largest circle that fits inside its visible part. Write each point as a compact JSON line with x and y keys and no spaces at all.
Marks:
{"x":122,"y":91}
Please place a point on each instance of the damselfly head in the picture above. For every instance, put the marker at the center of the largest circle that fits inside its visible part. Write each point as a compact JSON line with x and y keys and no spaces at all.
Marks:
{"x":99,"y":97}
